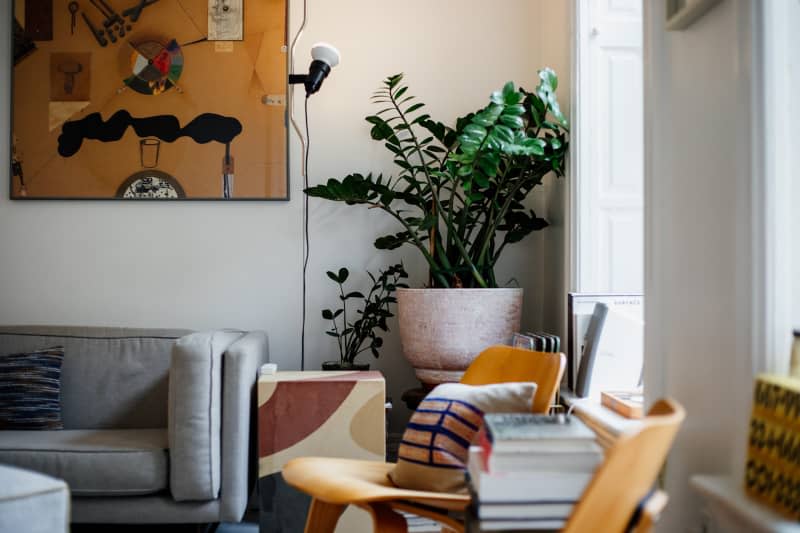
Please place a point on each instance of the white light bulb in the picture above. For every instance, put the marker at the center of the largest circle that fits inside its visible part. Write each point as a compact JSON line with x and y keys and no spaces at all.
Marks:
{"x":326,"y":53}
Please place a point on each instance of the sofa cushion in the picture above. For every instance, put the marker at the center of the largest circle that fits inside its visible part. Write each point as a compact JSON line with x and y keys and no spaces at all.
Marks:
{"x":30,"y":389}
{"x":108,"y":462}
{"x":195,"y":414}
{"x":110,"y":378}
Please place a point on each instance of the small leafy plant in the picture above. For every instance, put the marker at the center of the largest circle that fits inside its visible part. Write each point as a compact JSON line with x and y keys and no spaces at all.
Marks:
{"x":458,"y":193}
{"x":360,"y":335}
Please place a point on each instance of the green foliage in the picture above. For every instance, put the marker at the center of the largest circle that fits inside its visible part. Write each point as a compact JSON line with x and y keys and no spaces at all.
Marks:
{"x":359,"y":336}
{"x":459,"y":192}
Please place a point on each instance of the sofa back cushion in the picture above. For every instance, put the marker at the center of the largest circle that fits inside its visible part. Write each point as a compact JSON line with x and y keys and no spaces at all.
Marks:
{"x":110,"y":377}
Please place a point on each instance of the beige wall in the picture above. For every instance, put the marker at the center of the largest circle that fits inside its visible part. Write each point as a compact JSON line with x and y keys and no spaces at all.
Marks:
{"x":214,"y":265}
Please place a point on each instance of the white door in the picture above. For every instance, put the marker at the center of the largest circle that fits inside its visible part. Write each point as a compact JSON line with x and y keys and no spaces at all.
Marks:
{"x":608,"y":159}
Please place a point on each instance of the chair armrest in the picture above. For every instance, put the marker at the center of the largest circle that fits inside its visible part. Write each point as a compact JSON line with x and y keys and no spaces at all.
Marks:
{"x":241,"y":362}
{"x":194,"y":414}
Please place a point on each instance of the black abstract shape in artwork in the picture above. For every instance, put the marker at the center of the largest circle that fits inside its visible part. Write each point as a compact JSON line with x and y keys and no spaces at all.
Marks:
{"x":203,"y":129}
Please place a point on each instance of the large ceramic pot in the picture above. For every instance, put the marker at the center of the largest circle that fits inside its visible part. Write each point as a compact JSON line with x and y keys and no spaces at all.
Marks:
{"x":442,"y":330}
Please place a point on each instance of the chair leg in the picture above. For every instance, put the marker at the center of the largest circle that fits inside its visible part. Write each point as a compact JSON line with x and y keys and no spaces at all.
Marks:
{"x":386,"y":520}
{"x":322,"y":516}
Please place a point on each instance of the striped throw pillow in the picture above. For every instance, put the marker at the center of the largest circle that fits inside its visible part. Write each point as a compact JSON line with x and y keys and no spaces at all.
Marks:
{"x":30,"y":390}
{"x":434,"y":450}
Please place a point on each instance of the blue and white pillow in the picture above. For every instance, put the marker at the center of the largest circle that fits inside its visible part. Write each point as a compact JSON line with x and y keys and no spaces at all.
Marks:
{"x":433,"y":453}
{"x":30,"y":389}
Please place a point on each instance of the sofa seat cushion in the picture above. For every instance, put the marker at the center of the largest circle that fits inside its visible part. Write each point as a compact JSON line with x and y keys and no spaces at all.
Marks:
{"x":106,"y":462}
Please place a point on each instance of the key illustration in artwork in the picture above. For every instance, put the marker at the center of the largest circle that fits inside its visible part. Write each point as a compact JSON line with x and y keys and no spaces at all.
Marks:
{"x":70,"y":83}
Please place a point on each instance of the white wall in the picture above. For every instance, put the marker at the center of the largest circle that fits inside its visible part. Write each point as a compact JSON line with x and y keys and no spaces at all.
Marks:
{"x":704,"y":238}
{"x":206,"y":265}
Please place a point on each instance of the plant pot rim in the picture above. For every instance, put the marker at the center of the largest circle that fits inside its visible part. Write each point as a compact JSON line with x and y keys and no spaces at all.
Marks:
{"x":428,"y":289}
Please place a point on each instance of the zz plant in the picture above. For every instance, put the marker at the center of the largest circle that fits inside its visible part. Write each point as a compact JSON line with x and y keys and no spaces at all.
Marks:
{"x":459,"y":192}
{"x":362,"y":334}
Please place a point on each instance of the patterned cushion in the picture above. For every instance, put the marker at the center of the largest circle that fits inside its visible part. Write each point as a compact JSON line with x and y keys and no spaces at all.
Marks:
{"x":30,"y":390}
{"x":434,"y":449}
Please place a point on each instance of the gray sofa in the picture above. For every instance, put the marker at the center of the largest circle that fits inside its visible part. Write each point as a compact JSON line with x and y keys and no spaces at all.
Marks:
{"x":157,"y":423}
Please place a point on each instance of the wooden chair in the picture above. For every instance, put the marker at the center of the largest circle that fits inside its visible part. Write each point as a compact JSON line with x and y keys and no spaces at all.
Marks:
{"x":336,"y":483}
{"x":627,"y":474}
{"x":623,"y":480}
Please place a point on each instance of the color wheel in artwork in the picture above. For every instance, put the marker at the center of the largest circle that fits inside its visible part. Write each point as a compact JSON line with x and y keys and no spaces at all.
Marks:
{"x":155,"y":67}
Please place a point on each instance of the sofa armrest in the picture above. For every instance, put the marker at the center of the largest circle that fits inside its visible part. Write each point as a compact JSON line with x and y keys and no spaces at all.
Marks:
{"x":241,"y":362}
{"x":194,"y":414}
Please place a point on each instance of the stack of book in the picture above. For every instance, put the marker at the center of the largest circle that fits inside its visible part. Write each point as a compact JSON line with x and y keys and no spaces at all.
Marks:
{"x":529,"y":471}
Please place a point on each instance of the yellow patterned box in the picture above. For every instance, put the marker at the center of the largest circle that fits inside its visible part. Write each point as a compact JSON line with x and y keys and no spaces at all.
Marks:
{"x":772,"y":475}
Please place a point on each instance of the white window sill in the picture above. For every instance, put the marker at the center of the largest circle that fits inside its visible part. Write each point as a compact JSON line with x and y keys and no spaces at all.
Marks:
{"x":731,"y":511}
{"x":606,"y":423}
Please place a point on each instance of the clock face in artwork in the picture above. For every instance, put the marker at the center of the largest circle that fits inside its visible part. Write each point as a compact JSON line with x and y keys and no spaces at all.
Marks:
{"x":151,"y":184}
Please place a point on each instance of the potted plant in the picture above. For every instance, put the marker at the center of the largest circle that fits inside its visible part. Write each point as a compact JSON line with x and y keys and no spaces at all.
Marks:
{"x":360,"y":335}
{"x":458,"y":199}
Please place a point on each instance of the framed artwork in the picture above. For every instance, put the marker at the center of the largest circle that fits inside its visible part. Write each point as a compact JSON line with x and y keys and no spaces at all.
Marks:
{"x":683,"y":13}
{"x":149,"y":100}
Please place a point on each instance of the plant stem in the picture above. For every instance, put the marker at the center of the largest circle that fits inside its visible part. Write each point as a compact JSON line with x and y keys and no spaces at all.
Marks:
{"x":344,"y":317}
{"x":417,"y":242}
{"x":426,"y":171}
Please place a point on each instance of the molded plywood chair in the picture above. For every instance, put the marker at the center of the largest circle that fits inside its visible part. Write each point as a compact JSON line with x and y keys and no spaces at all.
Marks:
{"x":336,"y":483}
{"x":611,"y":499}
{"x":627,"y":474}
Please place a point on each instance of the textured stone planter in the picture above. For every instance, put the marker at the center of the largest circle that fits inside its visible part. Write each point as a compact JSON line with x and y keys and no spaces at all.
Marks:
{"x":442,"y":330}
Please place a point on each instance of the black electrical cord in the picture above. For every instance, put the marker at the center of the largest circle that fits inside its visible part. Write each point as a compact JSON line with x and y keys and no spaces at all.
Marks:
{"x":306,"y":242}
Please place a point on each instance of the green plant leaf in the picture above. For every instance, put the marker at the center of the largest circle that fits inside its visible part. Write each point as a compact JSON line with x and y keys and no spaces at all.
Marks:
{"x":474,"y":132}
{"x":512,"y":121}
{"x":343,"y":274}
{"x":354,"y":294}
{"x":381,"y":130}
{"x":549,"y":77}
{"x":392,"y":81}
{"x":391,"y":242}
{"x":514,"y":110}
{"x":327,"y":314}
{"x":513,"y":98}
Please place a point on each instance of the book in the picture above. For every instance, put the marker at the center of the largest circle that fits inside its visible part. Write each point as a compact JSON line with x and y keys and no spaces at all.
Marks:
{"x":629,"y":404}
{"x":523,"y":486}
{"x":519,"y":525}
{"x":421,"y":524}
{"x":526,"y":510}
{"x":530,"y":433}
{"x":583,"y":461}
{"x":474,"y":524}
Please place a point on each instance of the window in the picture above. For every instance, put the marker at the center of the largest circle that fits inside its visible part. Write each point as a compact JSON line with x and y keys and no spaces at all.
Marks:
{"x":608,"y":156}
{"x":607,"y":199}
